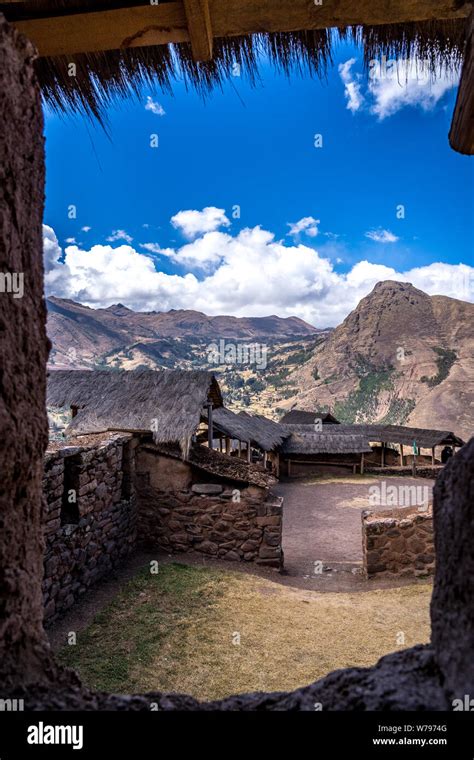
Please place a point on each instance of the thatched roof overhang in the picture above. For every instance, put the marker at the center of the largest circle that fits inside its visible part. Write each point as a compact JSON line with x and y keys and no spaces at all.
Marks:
{"x":324,"y":443}
{"x":256,"y":429}
{"x":117,"y":45}
{"x":168,"y":402}
{"x":400,"y":434}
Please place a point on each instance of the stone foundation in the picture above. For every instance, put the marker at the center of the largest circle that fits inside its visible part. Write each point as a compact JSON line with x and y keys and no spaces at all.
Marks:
{"x":398,"y":543}
{"x":178,"y":512}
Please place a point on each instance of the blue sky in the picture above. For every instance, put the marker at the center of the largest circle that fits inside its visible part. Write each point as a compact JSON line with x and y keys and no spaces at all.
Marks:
{"x":316,"y":226}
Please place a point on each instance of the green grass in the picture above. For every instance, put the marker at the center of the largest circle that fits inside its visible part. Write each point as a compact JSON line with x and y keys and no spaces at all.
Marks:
{"x":127,"y":634}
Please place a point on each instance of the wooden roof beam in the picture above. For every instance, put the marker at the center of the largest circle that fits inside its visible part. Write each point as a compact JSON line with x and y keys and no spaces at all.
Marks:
{"x":199,"y":28}
{"x":138,"y":26}
{"x":461,"y":136}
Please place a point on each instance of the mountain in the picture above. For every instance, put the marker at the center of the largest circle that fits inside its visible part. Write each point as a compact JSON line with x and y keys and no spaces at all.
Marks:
{"x":401,"y":356}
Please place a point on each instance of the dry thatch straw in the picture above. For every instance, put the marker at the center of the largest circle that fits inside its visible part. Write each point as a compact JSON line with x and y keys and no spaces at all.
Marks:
{"x":425,"y":438}
{"x":256,"y":429}
{"x":219,"y":465}
{"x":167,"y":402}
{"x":103,"y":77}
{"x":325,"y":443}
{"x":302,"y":417}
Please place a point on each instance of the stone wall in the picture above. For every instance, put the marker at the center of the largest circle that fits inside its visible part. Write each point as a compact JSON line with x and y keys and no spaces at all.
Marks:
{"x":398,"y":542}
{"x":89,"y":518}
{"x":185,"y":512}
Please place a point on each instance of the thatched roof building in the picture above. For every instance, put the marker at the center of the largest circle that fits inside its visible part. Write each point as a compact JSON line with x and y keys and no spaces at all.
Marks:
{"x":302,"y":417}
{"x":117,"y":45}
{"x":400,"y":434}
{"x":169,"y":403}
{"x":254,"y":429}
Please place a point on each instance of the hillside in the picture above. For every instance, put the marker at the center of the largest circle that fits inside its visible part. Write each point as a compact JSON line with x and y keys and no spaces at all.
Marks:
{"x":401,"y":356}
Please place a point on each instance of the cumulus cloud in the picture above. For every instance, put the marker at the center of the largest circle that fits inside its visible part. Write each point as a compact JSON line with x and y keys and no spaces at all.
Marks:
{"x":119,"y":235}
{"x":390,"y":94}
{"x":155,"y":107}
{"x":192,"y":223}
{"x":381,"y":236}
{"x":86,"y":229}
{"x":352,"y":86}
{"x":249,"y":274}
{"x":307,"y":224}
{"x":395,"y":85}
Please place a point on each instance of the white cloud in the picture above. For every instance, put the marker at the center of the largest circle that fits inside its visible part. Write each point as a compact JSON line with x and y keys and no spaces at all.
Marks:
{"x":307,"y":224}
{"x":86,"y":229}
{"x":249,"y":274}
{"x":394,"y":86}
{"x":119,"y":235}
{"x":381,"y":236}
{"x":155,"y":107}
{"x":193,"y":223}
{"x":352,"y":86}
{"x":70,"y":240}
{"x":390,"y":94}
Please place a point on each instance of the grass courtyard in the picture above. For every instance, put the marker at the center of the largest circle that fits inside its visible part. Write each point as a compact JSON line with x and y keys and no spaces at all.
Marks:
{"x":211,"y":633}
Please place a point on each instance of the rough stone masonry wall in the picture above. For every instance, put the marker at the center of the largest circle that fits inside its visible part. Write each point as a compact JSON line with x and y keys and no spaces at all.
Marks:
{"x":204,"y":517}
{"x":398,"y":543}
{"x":79,"y":554}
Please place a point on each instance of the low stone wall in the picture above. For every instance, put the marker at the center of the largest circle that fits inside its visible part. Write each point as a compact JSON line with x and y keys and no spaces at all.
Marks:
{"x":424,"y":471}
{"x":222,"y":520}
{"x":89,"y":518}
{"x":398,"y":543}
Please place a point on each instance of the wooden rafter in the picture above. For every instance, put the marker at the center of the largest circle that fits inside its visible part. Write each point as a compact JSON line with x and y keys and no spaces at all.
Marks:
{"x":199,"y":27}
{"x":461,"y":136}
{"x":139,"y":26}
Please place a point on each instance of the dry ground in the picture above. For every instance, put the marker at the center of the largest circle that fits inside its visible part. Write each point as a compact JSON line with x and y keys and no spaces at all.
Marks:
{"x":179,"y":630}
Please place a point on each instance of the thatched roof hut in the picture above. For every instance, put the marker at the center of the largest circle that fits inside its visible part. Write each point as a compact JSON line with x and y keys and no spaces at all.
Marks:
{"x":117,"y":45}
{"x":302,"y":417}
{"x":400,"y":434}
{"x":325,"y":443}
{"x":254,"y":429}
{"x":168,"y":402}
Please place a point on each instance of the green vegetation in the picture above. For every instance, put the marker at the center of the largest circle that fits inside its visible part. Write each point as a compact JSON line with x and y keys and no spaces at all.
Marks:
{"x":399,"y":411}
{"x":363,"y":402}
{"x":445,"y":361}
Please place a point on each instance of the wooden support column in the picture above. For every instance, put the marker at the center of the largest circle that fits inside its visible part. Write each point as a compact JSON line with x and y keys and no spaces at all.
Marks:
{"x":199,"y":28}
{"x":362,"y":463}
{"x":228,"y":445}
{"x":277,"y":464}
{"x":461,"y":136}
{"x":401,"y":454}
{"x":289,"y":468}
{"x":433,"y":458}
{"x":249,"y":452}
{"x":383,"y":455}
{"x":210,"y":431}
{"x":265,"y":459}
{"x":240,"y":449}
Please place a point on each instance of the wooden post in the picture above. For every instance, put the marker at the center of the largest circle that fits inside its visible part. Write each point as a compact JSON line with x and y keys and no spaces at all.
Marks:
{"x":433,"y":459}
{"x":362,"y":463}
{"x":401,"y":454}
{"x":289,"y":468}
{"x":228,"y":445}
{"x":240,"y":449}
{"x":210,"y":431}
{"x":265,"y":459}
{"x":249,"y":452}
{"x":199,"y":28}
{"x":383,"y":454}
{"x":461,"y":136}
{"x":277,"y":465}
